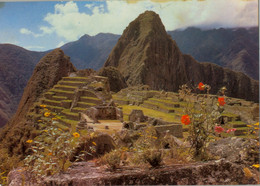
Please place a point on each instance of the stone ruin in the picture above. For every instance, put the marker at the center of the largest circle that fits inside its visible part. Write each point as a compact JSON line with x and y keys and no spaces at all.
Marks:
{"x":138,"y":120}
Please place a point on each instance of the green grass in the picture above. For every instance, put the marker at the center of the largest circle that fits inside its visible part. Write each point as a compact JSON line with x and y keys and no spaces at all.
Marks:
{"x":73,"y":124}
{"x":169,"y":117}
{"x":237,"y":122}
{"x":75,"y":78}
{"x":68,"y":101}
{"x":54,"y":107}
{"x":160,"y":105}
{"x":53,"y":101}
{"x":67,"y":111}
{"x":228,"y":114}
{"x":51,"y":93}
{"x":167,"y":101}
{"x":90,"y":104}
{"x":61,"y":126}
{"x":66,"y":86}
{"x":92,"y":98}
{"x":60,"y":97}
{"x":72,"y":82}
{"x":79,"y":109}
{"x":57,"y":90}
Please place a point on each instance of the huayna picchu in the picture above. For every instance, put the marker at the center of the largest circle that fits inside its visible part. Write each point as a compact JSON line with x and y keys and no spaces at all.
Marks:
{"x":149,"y":106}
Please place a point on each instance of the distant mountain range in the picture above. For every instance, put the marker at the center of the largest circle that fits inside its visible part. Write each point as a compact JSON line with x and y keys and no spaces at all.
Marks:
{"x":16,"y":67}
{"x":236,"y":49}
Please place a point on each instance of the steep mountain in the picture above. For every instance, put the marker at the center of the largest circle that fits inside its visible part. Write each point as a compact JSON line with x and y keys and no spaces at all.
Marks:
{"x":236,"y":49}
{"x":90,"y":52}
{"x":146,"y":54}
{"x":16,"y":66}
{"x":50,"y":69}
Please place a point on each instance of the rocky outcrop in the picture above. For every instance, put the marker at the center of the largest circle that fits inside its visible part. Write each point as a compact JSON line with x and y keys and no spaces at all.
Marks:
{"x":146,"y":54}
{"x":238,"y":150}
{"x":115,"y":78}
{"x":86,"y":173}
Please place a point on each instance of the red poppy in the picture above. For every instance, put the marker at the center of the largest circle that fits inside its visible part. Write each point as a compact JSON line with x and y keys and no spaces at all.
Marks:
{"x":185,"y":119}
{"x":221,"y":101}
{"x":230,"y":130}
{"x":201,"y":86}
{"x":219,"y":129}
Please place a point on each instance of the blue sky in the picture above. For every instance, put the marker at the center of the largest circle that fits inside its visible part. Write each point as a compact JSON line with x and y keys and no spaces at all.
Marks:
{"x":46,"y":25}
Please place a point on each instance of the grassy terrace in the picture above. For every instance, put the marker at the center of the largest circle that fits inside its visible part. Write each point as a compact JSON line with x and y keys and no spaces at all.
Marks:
{"x":85,"y":97}
{"x":160,"y":105}
{"x":169,"y":117}
{"x":57,"y":90}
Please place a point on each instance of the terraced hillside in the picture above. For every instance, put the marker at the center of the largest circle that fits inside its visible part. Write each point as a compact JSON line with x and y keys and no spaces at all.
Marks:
{"x":169,"y":107}
{"x":67,"y":99}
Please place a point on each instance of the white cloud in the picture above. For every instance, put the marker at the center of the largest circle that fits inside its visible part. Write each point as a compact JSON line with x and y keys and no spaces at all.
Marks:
{"x":66,"y":21}
{"x":34,"y":47}
{"x":46,"y":30}
{"x":60,"y":44}
{"x":25,"y":31}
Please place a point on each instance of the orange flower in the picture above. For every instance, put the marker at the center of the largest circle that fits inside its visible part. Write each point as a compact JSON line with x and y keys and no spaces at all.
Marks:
{"x":201,"y":86}
{"x":49,"y":154}
{"x":29,"y":141}
{"x":221,"y":101}
{"x":185,"y":119}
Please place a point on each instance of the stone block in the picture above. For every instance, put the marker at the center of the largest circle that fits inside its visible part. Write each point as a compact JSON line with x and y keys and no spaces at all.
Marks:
{"x":174,"y":129}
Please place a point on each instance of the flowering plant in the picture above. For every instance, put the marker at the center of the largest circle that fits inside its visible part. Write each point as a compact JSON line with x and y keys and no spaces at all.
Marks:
{"x":202,"y":116}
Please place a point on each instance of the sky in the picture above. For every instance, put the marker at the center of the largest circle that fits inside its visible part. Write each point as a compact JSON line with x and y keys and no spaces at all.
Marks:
{"x":45,"y":25}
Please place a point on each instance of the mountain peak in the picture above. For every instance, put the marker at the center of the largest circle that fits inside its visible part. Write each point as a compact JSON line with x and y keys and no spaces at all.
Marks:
{"x":146,"y":24}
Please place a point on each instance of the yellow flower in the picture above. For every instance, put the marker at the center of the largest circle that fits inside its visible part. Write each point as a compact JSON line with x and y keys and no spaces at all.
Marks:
{"x":253,"y":132}
{"x":47,"y":114}
{"x":154,"y":137}
{"x":76,"y":135}
{"x":92,"y":135}
{"x":45,"y":131}
{"x":54,"y":119}
{"x":43,"y":106}
{"x":29,"y":141}
{"x":256,"y":123}
{"x":94,"y":143}
{"x":255,"y":165}
{"x":249,"y":125}
{"x":60,"y":129}
{"x":256,"y":128}
{"x":39,"y":121}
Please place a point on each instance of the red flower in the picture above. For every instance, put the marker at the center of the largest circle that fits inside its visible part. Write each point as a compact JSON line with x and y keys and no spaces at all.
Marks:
{"x":230,"y":130}
{"x":201,"y":86}
{"x":185,"y":119}
{"x":221,"y":101}
{"x":219,"y":129}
